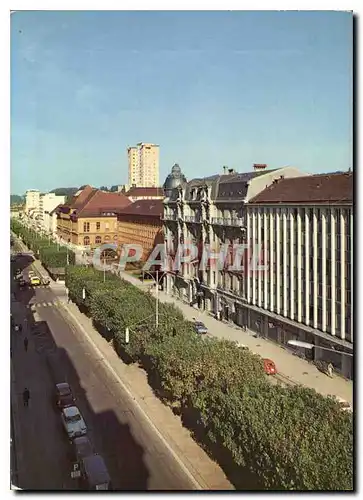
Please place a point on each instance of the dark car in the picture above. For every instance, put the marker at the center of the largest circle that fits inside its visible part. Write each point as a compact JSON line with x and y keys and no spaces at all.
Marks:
{"x":95,"y":475}
{"x":63,"y":396}
{"x":82,"y":448}
{"x":200,"y":328}
{"x":22,"y":282}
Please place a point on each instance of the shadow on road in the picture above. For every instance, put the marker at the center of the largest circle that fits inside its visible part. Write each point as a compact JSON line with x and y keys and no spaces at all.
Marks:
{"x":110,"y":437}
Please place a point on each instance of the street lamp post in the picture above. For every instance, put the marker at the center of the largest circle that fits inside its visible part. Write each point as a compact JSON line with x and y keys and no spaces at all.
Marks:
{"x":308,"y":345}
{"x":156,"y":281}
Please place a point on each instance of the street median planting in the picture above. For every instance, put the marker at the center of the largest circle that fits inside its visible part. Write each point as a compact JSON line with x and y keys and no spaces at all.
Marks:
{"x":264,"y":436}
{"x":51,"y":255}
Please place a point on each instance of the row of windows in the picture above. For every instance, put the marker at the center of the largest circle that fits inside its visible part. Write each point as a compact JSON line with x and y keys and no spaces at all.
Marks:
{"x":87,"y":240}
{"x":319,"y":212}
{"x":140,"y":234}
{"x":96,"y":226}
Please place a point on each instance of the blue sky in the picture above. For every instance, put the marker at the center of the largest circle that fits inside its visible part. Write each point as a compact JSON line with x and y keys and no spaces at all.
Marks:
{"x":211,"y":88}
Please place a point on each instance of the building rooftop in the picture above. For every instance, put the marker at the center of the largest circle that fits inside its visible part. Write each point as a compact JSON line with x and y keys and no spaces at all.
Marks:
{"x":322,"y":188}
{"x":92,"y":202}
{"x":145,"y":191}
{"x":152,"y":208}
{"x":225,"y":186}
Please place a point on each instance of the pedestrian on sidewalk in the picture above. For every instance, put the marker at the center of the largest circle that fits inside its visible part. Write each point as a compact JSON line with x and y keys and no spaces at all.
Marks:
{"x":26,"y":342}
{"x":26,"y":396}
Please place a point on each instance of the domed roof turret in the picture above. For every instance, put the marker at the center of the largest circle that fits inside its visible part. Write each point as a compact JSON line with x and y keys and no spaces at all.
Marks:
{"x":173,"y":180}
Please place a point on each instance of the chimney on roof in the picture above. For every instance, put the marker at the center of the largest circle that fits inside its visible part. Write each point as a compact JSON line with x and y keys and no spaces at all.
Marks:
{"x":259,"y":166}
{"x":225,"y":170}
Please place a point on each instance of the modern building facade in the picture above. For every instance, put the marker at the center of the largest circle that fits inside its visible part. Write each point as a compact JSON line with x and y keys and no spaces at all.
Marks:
{"x":47,"y":203}
{"x":304,"y":227}
{"x":292,"y":297}
{"x":90,"y":218}
{"x":141,"y":224}
{"x":143,"y":165}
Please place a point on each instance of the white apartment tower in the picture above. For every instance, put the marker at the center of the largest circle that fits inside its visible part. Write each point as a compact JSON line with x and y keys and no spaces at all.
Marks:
{"x":32,"y":200}
{"x":143,"y":164}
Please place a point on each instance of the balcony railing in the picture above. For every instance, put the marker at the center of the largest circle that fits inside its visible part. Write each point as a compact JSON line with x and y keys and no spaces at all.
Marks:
{"x":228,"y":221}
{"x":193,"y":218}
{"x":170,"y":217}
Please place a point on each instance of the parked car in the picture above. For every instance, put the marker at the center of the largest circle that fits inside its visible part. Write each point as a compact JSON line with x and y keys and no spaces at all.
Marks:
{"x":200,"y":328}
{"x":22,"y":282}
{"x":82,"y":448}
{"x":34,"y":281}
{"x":94,"y":474}
{"x":18,"y":327}
{"x":73,"y":422}
{"x":63,"y":396}
{"x":345,"y":406}
{"x":269,"y":367}
{"x":242,"y":346}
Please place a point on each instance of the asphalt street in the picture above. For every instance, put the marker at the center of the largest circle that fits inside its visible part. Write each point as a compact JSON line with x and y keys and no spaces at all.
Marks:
{"x":135,"y":456}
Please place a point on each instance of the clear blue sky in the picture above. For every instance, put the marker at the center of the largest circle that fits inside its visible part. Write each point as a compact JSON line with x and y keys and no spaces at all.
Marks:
{"x":211,"y":88}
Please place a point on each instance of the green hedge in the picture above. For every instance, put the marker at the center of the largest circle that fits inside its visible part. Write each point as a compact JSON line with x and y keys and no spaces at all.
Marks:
{"x":275,"y":438}
{"x":50,"y":254}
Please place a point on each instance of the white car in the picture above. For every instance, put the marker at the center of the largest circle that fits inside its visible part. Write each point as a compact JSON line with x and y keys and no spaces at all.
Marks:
{"x":345,"y":406}
{"x":73,"y":422}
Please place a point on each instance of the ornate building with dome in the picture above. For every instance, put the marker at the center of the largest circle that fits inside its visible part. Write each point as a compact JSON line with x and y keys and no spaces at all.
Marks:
{"x":290,"y":298}
{"x":175,"y":179}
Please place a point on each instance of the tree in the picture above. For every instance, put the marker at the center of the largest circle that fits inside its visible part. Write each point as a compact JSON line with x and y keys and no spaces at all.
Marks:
{"x":15,"y":199}
{"x":288,"y":438}
{"x":280,"y":438}
{"x":65,"y":191}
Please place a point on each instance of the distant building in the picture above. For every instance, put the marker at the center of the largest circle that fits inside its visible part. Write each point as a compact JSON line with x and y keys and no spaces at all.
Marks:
{"x":32,"y":200}
{"x":143,"y":165}
{"x":145,"y":193}
{"x":140,"y":223}
{"x":47,"y":203}
{"x":89,"y":219}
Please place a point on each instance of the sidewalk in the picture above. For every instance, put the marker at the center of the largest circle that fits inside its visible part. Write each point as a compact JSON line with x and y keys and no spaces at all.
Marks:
{"x":295,"y":369}
{"x":207,"y":473}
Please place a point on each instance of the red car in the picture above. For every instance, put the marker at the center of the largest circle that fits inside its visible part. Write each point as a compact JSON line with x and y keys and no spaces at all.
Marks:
{"x":63,"y":396}
{"x":269,"y":367}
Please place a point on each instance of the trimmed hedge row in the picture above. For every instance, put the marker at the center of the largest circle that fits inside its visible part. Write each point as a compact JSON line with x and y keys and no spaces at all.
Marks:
{"x":50,"y":254}
{"x":265,"y":436}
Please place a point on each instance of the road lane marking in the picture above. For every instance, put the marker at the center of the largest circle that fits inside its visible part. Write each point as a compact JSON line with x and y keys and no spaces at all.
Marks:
{"x":137,"y":404}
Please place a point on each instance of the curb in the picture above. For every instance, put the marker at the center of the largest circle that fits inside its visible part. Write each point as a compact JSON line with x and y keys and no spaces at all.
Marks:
{"x":188,"y":473}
